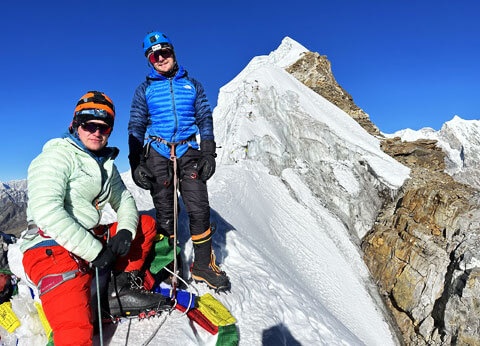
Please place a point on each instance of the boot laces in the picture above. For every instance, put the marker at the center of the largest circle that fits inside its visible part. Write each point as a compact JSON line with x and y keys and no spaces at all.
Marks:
{"x":136,"y":281}
{"x":213,"y":265}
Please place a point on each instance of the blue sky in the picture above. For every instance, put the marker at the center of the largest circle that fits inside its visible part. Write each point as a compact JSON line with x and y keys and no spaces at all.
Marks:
{"x":408,"y":64}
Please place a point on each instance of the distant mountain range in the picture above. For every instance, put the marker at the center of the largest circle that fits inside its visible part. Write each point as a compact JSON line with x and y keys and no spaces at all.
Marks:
{"x":13,"y":203}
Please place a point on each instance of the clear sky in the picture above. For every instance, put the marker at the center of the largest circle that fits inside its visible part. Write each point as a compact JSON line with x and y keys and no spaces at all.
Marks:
{"x":408,"y":64}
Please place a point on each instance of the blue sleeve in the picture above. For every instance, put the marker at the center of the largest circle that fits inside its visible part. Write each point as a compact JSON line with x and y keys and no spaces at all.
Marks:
{"x":137,"y":125}
{"x":203,"y":113}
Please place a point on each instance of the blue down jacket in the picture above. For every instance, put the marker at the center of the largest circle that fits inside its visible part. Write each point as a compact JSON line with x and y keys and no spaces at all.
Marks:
{"x":173,"y":109}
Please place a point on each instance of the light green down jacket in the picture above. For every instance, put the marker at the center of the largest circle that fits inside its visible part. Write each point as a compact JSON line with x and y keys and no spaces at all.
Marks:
{"x":67,"y":190}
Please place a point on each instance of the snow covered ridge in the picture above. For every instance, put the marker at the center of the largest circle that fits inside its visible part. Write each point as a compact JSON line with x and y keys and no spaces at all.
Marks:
{"x":287,"y":53}
{"x":302,"y":176}
{"x":264,"y":114}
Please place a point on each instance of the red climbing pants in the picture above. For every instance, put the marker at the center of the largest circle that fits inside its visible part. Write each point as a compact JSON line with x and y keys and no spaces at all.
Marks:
{"x":65,"y":283}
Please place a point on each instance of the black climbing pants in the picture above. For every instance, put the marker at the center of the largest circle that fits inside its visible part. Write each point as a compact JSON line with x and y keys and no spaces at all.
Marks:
{"x":192,"y":189}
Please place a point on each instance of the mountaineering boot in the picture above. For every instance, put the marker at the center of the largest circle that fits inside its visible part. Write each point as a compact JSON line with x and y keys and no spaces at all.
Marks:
{"x":204,"y":268}
{"x":128,"y":297}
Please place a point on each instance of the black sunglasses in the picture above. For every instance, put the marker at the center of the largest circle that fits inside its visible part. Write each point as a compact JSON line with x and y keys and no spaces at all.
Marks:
{"x":93,"y":127}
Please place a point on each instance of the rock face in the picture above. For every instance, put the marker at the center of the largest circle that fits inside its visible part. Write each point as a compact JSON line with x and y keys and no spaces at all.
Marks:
{"x":423,"y":250}
{"x":314,"y":70}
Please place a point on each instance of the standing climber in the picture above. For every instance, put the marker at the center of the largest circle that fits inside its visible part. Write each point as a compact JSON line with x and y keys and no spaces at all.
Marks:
{"x":171,"y":109}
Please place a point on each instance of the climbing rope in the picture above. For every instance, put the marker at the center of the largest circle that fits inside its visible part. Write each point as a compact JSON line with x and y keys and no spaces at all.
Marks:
{"x":173,"y":157}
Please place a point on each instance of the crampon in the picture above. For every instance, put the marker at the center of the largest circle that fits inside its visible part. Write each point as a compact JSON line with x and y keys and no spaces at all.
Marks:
{"x":143,"y":315}
{"x":216,"y":289}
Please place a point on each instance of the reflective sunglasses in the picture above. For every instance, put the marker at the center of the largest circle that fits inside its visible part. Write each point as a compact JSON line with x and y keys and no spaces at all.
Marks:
{"x":155,"y":56}
{"x":93,"y":127}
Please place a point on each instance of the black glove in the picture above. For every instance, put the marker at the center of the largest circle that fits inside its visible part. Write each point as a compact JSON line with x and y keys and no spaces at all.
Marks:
{"x":104,"y":259}
{"x":142,"y":176}
{"x":120,"y":243}
{"x":206,"y":164}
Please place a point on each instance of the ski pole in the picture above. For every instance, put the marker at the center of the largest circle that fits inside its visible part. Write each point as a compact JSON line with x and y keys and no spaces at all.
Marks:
{"x":99,"y":312}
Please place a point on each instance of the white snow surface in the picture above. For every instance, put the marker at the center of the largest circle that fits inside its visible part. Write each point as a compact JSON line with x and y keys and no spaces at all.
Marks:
{"x":297,"y":185}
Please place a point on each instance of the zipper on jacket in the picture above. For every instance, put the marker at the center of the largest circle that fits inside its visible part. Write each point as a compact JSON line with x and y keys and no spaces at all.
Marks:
{"x":96,"y":202}
{"x":174,"y":139}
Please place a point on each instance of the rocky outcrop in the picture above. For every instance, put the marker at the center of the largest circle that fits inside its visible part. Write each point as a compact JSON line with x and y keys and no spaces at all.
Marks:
{"x":423,"y":251}
{"x":314,"y":70}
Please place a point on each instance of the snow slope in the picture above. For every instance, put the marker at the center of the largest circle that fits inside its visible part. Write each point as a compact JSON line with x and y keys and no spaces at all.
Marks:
{"x":298,"y":183}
